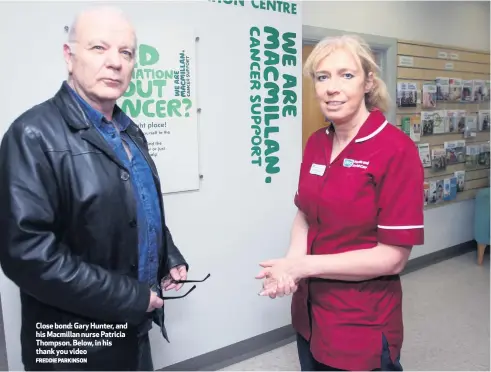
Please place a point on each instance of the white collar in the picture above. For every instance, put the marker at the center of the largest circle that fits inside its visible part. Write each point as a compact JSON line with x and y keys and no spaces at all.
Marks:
{"x":371,"y":135}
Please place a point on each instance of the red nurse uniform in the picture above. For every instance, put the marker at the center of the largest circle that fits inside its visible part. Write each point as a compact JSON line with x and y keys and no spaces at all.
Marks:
{"x":372,"y":193}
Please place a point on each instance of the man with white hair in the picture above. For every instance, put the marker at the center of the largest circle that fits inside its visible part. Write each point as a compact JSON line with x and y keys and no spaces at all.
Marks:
{"x":83,"y":229}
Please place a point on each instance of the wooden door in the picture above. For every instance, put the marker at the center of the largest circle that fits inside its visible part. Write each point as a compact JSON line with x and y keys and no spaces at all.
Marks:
{"x":312,"y":118}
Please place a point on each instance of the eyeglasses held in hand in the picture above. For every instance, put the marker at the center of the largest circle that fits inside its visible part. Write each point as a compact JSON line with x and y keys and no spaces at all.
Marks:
{"x":181,"y":282}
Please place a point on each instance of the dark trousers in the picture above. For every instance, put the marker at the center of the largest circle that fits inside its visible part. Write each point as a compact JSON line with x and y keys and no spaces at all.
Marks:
{"x":308,"y":363}
{"x":145,"y":362}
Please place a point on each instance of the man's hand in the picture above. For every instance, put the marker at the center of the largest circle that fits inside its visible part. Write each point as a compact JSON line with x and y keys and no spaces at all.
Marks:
{"x":176,"y":273}
{"x":155,"y":302}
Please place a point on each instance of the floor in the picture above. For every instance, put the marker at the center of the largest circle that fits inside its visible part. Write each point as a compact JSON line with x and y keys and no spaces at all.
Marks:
{"x":447,"y":321}
{"x":3,"y":348}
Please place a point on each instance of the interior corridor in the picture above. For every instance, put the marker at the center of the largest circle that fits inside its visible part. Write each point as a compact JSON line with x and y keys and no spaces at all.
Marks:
{"x":446,"y":314}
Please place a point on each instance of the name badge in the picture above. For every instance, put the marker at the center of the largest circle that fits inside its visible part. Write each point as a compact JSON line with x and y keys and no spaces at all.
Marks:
{"x":317,"y":169}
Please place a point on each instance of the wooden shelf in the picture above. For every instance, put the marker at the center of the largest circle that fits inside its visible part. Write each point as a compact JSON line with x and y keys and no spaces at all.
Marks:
{"x":419,"y":62}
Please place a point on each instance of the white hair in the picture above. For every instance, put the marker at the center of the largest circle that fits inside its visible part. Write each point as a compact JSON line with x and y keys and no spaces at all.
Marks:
{"x":105,"y":9}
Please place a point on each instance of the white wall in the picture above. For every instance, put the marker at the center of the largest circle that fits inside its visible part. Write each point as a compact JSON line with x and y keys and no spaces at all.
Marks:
{"x":461,"y":23}
{"x":235,"y":220}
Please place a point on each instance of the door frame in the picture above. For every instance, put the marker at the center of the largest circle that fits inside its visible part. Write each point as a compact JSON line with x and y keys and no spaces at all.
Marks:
{"x":386,"y":45}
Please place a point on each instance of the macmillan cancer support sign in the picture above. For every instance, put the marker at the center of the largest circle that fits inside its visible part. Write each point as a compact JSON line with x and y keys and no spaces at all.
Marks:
{"x":273,"y":95}
{"x":161,"y":101}
{"x":272,"y":41}
{"x":146,"y":94}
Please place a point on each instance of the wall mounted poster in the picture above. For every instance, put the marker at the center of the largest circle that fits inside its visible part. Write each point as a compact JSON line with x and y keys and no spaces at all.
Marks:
{"x":161,"y":99}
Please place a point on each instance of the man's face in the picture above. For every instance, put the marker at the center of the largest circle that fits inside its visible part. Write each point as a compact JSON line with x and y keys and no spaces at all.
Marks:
{"x":102,"y":58}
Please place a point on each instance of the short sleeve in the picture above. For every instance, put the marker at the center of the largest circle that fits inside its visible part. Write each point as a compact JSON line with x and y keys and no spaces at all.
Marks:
{"x":296,"y":199}
{"x":401,"y":200}
{"x":307,"y":154}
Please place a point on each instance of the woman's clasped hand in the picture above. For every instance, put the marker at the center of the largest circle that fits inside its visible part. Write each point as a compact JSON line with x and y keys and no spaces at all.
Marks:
{"x":280,"y":276}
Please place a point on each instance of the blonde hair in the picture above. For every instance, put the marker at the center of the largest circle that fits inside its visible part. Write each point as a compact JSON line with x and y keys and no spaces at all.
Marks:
{"x":378,"y":97}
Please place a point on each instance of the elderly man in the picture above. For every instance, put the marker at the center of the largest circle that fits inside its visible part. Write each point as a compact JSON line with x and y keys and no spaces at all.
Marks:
{"x":83,"y":232}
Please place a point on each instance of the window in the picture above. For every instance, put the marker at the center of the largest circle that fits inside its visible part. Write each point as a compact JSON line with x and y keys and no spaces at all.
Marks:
{"x":379,"y":59}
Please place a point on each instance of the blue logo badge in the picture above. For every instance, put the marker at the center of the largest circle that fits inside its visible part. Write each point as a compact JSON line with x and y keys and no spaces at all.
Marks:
{"x":348,"y":163}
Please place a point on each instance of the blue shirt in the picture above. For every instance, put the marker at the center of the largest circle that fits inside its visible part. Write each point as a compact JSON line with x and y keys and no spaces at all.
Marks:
{"x":149,"y":218}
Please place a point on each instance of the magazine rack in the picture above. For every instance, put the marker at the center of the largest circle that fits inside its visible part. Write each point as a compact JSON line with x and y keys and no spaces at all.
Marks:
{"x":451,"y":120}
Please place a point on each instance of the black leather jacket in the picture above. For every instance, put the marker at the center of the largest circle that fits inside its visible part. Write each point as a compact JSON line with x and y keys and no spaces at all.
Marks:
{"x":68,"y":236}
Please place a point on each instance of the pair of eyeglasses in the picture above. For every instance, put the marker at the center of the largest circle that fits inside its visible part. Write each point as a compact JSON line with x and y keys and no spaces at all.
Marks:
{"x":188,"y":292}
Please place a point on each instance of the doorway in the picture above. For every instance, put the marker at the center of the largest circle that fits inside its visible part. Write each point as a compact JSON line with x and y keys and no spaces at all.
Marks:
{"x":312,"y":118}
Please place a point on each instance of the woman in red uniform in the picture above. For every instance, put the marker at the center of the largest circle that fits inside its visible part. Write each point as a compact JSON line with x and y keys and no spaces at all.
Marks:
{"x":360,"y":212}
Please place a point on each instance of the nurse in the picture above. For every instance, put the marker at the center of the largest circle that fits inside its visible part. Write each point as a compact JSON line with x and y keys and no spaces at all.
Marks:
{"x":360,"y":211}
